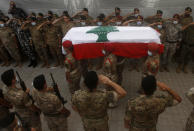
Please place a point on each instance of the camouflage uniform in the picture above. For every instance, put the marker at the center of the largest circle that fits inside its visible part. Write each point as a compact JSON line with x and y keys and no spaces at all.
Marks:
{"x":3,"y":54}
{"x":8,"y":39}
{"x":186,"y":20}
{"x":53,"y":35}
{"x":65,"y":27}
{"x":50,"y":105}
{"x":173,"y":37}
{"x":92,"y":107}
{"x":120,"y":68}
{"x":143,"y":111}
{"x":73,"y":73}
{"x":38,"y":41}
{"x":153,"y":20}
{"x":190,"y":119}
{"x":151,"y":65}
{"x":21,"y":101}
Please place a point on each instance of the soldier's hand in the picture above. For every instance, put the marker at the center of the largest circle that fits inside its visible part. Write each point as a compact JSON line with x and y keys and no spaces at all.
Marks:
{"x":103,"y":79}
{"x":27,"y":90}
{"x":162,"y":86}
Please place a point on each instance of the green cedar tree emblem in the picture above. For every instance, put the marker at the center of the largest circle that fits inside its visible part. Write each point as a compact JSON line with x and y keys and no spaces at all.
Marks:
{"x":102,"y":32}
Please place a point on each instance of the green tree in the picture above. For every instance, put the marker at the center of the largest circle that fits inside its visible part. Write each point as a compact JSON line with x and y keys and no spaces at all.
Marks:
{"x":102,"y":32}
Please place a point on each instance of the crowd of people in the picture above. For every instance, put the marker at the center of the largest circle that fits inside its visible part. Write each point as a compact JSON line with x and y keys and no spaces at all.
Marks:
{"x":38,"y":36}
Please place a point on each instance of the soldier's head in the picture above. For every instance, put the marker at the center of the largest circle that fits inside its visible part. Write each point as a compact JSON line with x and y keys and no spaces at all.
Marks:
{"x":40,"y":16}
{"x":6,"y":18}
{"x":100,"y":19}
{"x":91,"y":80}
{"x":8,"y":78}
{"x":159,"y":13}
{"x":108,"y":49}
{"x":190,"y":95}
{"x":12,"y":4}
{"x":139,"y":20}
{"x":85,"y":11}
{"x":65,"y":13}
{"x":39,"y":82}
{"x":55,"y":16}
{"x":83,"y":20}
{"x":67,"y":18}
{"x":50,"y":13}
{"x":176,"y":18}
{"x":188,"y":11}
{"x":117,"y":11}
{"x":2,"y":23}
{"x":67,"y":47}
{"x":148,"y":84}
{"x":136,"y":12}
{"x":33,"y":16}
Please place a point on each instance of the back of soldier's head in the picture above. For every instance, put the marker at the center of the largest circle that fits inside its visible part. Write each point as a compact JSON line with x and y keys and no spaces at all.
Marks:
{"x":39,"y":82}
{"x":159,"y":12}
{"x":91,"y":80}
{"x":7,"y":77}
{"x":149,"y":85}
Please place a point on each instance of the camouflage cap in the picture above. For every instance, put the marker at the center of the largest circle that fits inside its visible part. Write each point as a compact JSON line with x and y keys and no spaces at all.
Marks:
{"x":190,"y":95}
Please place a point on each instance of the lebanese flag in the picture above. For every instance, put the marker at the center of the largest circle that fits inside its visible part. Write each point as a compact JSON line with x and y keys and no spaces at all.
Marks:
{"x":131,"y":42}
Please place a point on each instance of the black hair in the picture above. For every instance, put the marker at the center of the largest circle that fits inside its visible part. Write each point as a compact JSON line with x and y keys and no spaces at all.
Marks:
{"x":83,"y":17}
{"x":40,"y":14}
{"x":91,"y":80}
{"x":117,"y":8}
{"x":50,"y":12}
{"x":39,"y":82}
{"x":85,"y":9}
{"x":2,"y":20}
{"x":33,"y":14}
{"x":101,"y":17}
{"x":188,"y":9}
{"x":159,"y":12}
{"x":149,"y":85}
{"x":49,"y":18}
{"x":7,"y":77}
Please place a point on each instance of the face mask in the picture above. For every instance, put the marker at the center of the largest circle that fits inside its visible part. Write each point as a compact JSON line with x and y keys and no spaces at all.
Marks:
{"x":175,"y":22}
{"x":83,"y":23}
{"x":159,"y":26}
{"x":136,"y":15}
{"x":118,"y":23}
{"x":33,"y":23}
{"x":64,"y":52}
{"x":2,"y":25}
{"x":139,"y":23}
{"x":103,"y":52}
{"x":149,"y":53}
{"x":99,"y":23}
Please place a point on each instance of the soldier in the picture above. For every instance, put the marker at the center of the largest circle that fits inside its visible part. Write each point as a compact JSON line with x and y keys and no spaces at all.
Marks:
{"x":37,"y":39}
{"x":190,"y":120}
{"x":85,"y":13}
{"x":9,"y":41}
{"x":24,"y":106}
{"x":3,"y":55}
{"x":72,"y":68}
{"x":173,"y":38}
{"x":151,"y":65}
{"x":115,"y":19}
{"x":92,"y":103}
{"x":155,"y":18}
{"x":16,"y":12}
{"x":8,"y":121}
{"x":142,"y":112}
{"x":110,"y":68}
{"x":186,"y":17}
{"x":53,"y":40}
{"x":100,"y":21}
{"x":132,"y":16}
{"x":187,"y":48}
{"x":51,"y":106}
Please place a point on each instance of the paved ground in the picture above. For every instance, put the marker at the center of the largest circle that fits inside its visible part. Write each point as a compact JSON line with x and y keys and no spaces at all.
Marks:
{"x":173,"y":119}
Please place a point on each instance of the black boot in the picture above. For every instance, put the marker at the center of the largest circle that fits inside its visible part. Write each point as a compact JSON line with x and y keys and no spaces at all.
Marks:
{"x":31,"y":63}
{"x":34,"y":63}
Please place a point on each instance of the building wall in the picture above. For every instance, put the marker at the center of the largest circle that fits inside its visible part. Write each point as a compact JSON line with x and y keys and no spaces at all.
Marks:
{"x":147,"y":7}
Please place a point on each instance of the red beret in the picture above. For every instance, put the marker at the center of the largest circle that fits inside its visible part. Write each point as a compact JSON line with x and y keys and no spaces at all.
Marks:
{"x":67,"y":44}
{"x":153,"y":47}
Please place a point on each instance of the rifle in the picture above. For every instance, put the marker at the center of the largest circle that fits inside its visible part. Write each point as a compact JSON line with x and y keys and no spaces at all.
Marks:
{"x":55,"y":87}
{"x":23,"y":86}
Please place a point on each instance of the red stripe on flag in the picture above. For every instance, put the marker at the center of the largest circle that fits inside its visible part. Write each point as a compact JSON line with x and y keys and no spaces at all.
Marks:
{"x":94,"y":50}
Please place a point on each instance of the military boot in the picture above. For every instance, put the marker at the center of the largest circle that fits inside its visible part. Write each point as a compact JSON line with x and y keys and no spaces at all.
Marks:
{"x":178,"y":69}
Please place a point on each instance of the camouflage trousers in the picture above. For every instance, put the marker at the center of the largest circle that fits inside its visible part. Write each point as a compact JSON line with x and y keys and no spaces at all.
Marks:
{"x":3,"y":54}
{"x":57,"y":123}
{"x":74,"y":84}
{"x":186,"y":54}
{"x":56,"y":53}
{"x":84,"y":67}
{"x":42,"y":52}
{"x":13,"y":51}
{"x":190,"y":122}
{"x":169,"y":51}
{"x":120,"y":69}
{"x":95,"y":124}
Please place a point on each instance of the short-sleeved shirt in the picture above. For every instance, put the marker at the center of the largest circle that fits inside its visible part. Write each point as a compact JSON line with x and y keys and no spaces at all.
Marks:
{"x":93,"y":105}
{"x":143,"y":111}
{"x":20,"y":100}
{"x":48,"y":102}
